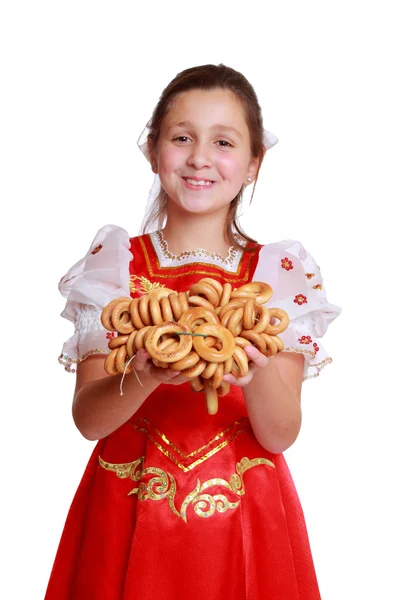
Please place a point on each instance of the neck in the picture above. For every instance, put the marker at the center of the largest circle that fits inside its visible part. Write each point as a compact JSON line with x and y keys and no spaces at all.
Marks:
{"x":185,"y":231}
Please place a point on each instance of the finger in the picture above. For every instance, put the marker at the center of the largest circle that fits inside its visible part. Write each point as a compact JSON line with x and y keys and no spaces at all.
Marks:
{"x":230,"y":379}
{"x":163,"y":375}
{"x":259,"y":359}
{"x":140,"y":359}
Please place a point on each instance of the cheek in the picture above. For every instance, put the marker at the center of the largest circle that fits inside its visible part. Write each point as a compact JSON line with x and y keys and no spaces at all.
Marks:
{"x":169,"y":160}
{"x":231,"y":168}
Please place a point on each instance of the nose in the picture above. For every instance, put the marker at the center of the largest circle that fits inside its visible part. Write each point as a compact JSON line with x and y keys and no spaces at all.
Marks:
{"x":200,"y":155}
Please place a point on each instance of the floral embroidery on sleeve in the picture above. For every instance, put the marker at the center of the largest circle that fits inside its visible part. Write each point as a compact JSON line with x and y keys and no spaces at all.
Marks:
{"x":310,"y":275}
{"x":305,"y":339}
{"x":315,"y":347}
{"x":300,"y":299}
{"x":97,"y":249}
{"x":317,"y":287}
{"x":286,"y":264}
{"x":110,"y":335}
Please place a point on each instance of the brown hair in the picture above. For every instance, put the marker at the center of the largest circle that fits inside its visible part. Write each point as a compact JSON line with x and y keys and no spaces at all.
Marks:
{"x":209,"y":77}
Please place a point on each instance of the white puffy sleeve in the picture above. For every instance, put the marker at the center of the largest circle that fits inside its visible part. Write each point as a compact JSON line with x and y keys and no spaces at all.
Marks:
{"x":98,"y":278}
{"x":299,"y":290}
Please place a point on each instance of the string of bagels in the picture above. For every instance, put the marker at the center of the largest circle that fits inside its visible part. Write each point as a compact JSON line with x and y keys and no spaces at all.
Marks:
{"x":201,"y":332}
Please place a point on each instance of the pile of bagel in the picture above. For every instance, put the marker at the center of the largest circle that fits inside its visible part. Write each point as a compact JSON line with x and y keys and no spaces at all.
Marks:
{"x":201,"y":332}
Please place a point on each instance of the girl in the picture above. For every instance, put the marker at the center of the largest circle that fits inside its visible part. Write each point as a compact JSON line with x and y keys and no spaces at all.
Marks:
{"x":176,"y":503}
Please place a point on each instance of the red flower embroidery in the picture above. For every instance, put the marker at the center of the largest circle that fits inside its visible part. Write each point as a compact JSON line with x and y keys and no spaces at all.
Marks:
{"x":310,"y":275}
{"x":110,"y":335}
{"x":97,"y":249}
{"x":286,"y":264}
{"x":317,"y":287}
{"x":315,"y":347}
{"x":305,"y":339}
{"x":300,"y":299}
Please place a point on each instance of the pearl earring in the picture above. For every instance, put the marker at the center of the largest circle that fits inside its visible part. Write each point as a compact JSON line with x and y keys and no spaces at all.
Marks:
{"x":249,"y":179}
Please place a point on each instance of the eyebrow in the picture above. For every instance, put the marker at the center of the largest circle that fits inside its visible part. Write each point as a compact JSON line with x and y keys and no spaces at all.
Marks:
{"x":216,"y":126}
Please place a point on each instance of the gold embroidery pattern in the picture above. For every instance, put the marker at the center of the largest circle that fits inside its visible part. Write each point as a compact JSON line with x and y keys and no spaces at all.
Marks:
{"x":145,"y":285}
{"x":241,"y":421}
{"x":163,"y":485}
{"x":198,"y":271}
{"x":245,"y":423}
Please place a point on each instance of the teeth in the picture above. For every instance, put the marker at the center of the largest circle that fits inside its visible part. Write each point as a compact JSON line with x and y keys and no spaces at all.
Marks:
{"x":195,"y":182}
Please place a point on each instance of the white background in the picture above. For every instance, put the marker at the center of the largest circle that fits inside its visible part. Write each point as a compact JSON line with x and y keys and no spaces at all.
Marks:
{"x":79,"y":81}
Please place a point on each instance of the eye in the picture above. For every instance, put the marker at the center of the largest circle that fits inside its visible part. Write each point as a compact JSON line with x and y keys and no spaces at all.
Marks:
{"x":181,"y":138}
{"x":224,"y":144}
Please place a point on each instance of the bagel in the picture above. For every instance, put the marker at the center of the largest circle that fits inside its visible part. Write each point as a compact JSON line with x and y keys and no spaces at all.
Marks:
{"x":105,"y":317}
{"x":277,"y":313}
{"x":211,"y":354}
{"x":261,"y":292}
{"x":168,"y":355}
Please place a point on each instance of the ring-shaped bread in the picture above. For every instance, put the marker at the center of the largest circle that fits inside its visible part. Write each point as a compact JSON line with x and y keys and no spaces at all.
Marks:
{"x":168,"y":355}
{"x":141,"y":335}
{"x":144,"y":311}
{"x":135,"y":313}
{"x":271,"y":345}
{"x":216,"y":331}
{"x":207,"y":290}
{"x":210,"y":370}
{"x":255,"y":339}
{"x":118,"y":341}
{"x":216,"y":284}
{"x":263,"y":292}
{"x":105,"y":317}
{"x":211,"y":397}
{"x":120,"y":318}
{"x":231,"y":305}
{"x":109,"y":364}
{"x":240,"y":366}
{"x":277,"y":313}
{"x":200,"y":301}
{"x":188,"y":361}
{"x":226,"y":294}
{"x":218,"y":375}
{"x":197,"y":315}
{"x":166,"y":309}
{"x":155,"y":311}
{"x":223,"y":389}
{"x":196,"y":370}
{"x":196,"y":384}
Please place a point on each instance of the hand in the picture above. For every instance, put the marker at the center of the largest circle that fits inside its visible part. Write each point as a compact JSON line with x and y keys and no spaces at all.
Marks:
{"x":169,"y":376}
{"x":258,"y":359}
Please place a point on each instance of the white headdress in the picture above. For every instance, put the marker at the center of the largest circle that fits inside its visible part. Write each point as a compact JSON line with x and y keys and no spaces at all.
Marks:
{"x":269,"y":140}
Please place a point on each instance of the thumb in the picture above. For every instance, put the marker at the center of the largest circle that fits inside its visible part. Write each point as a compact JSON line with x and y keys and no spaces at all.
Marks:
{"x":140,"y":360}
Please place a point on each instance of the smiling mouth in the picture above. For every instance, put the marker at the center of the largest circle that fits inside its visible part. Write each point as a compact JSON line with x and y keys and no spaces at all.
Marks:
{"x":198,"y":182}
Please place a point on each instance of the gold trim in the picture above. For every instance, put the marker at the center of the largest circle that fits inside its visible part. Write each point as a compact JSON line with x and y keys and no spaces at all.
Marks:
{"x":319,"y":366}
{"x":163,"y":485}
{"x":242,"y":421}
{"x":67,"y":361}
{"x":197,"y":271}
{"x":197,"y":462}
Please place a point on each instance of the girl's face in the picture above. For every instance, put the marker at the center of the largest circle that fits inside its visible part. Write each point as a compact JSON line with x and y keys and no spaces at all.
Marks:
{"x":203,"y":154}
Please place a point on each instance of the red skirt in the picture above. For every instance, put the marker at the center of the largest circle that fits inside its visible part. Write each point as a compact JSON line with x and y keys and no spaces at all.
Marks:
{"x":180,"y":504}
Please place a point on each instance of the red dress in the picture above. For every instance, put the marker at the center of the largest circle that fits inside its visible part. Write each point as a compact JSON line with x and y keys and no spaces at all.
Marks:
{"x":180,"y":504}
